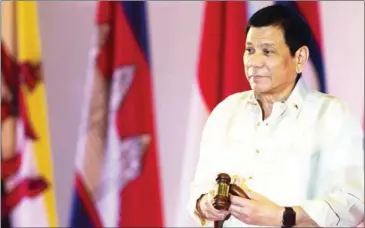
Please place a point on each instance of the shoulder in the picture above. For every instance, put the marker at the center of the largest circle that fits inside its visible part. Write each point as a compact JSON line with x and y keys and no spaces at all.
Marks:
{"x":227,"y":107}
{"x":328,"y":103}
{"x":233,"y":101}
{"x":331,"y":110}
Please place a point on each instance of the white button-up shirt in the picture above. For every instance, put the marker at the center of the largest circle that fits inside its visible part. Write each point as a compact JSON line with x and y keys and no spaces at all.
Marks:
{"x":308,"y":153}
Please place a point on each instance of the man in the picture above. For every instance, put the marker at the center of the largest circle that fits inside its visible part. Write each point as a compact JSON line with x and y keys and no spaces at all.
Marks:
{"x":297,"y":152}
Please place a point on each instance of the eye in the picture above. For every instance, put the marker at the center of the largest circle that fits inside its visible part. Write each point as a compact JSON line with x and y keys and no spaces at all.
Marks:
{"x":250,"y":50}
{"x":267,"y":51}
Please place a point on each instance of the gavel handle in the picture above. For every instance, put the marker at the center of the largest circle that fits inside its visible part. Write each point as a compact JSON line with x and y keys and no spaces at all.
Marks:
{"x":218,"y":224}
{"x":236,"y":191}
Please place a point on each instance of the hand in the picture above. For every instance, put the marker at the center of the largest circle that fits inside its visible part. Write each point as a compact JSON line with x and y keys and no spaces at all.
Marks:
{"x":207,"y":209}
{"x":256,"y":211}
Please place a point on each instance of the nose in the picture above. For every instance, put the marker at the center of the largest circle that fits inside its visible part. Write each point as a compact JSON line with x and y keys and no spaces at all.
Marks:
{"x":254,"y":60}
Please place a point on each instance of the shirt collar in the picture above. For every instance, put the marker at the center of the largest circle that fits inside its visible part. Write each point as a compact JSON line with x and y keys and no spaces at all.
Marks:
{"x":295,"y":99}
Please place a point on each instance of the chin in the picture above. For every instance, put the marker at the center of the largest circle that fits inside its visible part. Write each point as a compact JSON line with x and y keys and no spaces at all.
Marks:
{"x":261,"y":84}
{"x":260,"y":88}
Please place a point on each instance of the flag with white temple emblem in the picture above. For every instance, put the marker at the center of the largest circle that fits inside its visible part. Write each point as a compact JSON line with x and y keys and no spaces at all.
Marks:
{"x":117,"y":181}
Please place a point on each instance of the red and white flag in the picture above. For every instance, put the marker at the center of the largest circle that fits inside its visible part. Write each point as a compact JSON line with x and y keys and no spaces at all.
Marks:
{"x":220,"y":74}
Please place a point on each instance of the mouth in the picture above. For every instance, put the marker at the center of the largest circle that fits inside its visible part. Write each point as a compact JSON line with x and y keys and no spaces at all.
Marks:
{"x":257,"y":76}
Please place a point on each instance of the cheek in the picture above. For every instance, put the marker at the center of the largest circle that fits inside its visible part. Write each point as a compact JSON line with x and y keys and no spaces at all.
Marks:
{"x":289,"y":64}
{"x":274,"y":67}
{"x":245,"y":60}
{"x":278,"y":67}
{"x":245,"y":66}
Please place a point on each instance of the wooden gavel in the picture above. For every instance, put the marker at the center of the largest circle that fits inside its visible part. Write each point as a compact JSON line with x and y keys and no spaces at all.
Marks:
{"x":221,"y":198}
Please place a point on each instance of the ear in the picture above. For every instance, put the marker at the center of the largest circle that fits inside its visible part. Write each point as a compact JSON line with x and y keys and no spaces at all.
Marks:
{"x":301,"y":58}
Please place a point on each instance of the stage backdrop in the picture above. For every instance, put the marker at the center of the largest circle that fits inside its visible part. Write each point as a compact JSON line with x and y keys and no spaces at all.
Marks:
{"x":175,"y":41}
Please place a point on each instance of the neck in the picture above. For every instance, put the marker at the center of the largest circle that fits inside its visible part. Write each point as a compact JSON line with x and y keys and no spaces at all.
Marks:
{"x":273,"y":96}
{"x":267,"y":99}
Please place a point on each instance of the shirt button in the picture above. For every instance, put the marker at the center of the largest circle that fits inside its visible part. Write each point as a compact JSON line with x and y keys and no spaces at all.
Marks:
{"x":250,"y":177}
{"x":257,"y":151}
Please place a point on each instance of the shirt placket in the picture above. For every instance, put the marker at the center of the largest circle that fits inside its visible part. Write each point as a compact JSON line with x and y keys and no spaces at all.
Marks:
{"x":262,"y":132}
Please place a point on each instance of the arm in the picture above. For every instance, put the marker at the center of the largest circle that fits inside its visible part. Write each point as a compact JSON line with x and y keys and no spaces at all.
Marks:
{"x":211,"y":153}
{"x":302,"y":218}
{"x":205,"y":174}
{"x":339,"y":191}
{"x":338,"y":187}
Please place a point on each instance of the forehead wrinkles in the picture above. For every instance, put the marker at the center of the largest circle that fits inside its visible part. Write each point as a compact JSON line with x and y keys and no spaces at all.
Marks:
{"x":262,"y":43}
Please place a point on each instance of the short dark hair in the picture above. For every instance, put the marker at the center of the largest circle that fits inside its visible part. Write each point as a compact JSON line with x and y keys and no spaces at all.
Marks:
{"x":295,"y":29}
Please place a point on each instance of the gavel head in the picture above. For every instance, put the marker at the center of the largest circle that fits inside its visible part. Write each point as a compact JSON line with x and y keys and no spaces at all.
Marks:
{"x":221,"y":198}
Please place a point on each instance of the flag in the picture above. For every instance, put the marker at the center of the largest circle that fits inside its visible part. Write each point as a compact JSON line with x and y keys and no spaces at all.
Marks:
{"x":27,"y":194}
{"x":314,"y":73}
{"x":220,"y":74}
{"x":117,"y":180}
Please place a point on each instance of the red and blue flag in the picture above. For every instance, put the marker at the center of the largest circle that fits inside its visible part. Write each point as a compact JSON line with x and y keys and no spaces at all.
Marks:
{"x":117,"y":180}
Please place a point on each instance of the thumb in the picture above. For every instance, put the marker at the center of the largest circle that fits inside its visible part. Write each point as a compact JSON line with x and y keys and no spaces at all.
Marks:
{"x":210,"y":196}
{"x":254,"y":195}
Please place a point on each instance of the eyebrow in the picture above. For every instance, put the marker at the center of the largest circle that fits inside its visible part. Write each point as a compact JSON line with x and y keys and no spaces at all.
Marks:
{"x":261,"y":45}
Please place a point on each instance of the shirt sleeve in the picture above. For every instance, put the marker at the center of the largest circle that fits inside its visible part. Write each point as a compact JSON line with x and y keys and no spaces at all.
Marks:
{"x":339,"y":191}
{"x":211,"y":157}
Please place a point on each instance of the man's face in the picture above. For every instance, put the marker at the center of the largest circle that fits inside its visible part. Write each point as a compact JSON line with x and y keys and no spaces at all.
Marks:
{"x":269,"y":66}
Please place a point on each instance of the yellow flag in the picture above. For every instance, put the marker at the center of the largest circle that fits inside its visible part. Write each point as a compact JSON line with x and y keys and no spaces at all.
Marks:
{"x":35,"y":204}
{"x":29,"y":51}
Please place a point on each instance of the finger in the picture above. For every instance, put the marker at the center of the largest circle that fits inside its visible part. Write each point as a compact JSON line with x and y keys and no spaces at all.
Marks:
{"x":225,"y":213}
{"x":246,"y":219}
{"x":240,"y":211}
{"x":211,"y":212}
{"x":214,"y":215}
{"x":211,"y":201}
{"x":236,"y":200}
{"x":210,"y":196}
{"x":240,"y":214}
{"x":235,"y":214}
{"x":235,"y":209}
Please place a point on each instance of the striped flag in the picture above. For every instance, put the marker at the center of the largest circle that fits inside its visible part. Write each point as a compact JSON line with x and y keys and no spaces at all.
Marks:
{"x":220,"y":74}
{"x":27,"y":197}
{"x":314,"y":74}
{"x":117,"y":179}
